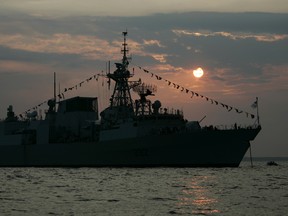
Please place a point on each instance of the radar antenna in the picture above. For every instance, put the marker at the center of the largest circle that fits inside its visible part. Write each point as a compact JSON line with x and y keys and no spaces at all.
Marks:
{"x":143,"y":105}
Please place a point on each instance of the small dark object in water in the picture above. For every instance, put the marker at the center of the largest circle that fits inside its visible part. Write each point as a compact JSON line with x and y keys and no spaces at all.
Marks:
{"x":272,"y":163}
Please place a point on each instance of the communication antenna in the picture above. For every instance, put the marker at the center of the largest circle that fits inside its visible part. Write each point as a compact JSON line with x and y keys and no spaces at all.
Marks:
{"x":54,"y":90}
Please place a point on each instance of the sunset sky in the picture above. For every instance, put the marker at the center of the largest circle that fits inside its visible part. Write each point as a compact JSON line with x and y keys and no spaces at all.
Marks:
{"x":242,"y":47}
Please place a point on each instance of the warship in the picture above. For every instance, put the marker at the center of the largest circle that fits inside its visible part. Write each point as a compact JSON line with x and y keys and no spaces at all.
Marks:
{"x":128,"y":133}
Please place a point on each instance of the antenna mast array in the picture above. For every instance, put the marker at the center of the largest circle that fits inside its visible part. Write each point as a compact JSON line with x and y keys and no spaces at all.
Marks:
{"x":121,"y":96}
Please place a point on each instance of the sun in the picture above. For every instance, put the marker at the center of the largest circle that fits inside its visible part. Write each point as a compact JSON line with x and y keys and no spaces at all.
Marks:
{"x":198,"y":72}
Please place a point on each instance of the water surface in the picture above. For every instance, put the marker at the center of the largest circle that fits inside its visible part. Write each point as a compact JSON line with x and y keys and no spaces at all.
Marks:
{"x":261,"y":190}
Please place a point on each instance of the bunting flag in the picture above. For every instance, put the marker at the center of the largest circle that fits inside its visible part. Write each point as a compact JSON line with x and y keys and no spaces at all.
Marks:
{"x":177,"y":86}
{"x":62,"y":95}
{"x":215,"y":102}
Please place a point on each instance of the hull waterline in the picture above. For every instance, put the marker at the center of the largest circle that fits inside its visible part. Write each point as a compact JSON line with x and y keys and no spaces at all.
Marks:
{"x":200,"y":149}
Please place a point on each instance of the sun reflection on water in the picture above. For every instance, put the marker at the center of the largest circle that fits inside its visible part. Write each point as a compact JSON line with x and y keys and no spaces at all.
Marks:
{"x":197,"y":198}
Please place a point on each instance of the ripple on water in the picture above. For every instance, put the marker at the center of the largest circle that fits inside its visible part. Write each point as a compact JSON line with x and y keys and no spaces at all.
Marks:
{"x":106,"y":191}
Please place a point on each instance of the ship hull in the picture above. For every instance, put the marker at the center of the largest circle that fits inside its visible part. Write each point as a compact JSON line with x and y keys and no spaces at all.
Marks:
{"x":215,"y":148}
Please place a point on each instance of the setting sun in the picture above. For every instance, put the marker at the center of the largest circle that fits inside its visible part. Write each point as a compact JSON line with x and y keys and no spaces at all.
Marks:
{"x":198,"y":72}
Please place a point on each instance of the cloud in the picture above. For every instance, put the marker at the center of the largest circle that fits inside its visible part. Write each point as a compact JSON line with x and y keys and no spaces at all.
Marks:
{"x":82,"y":40}
{"x":234,"y":35}
{"x":153,"y":42}
{"x":90,"y":47}
{"x":131,"y":7}
{"x":167,"y":68}
{"x":87,"y":46}
{"x":160,"y":57}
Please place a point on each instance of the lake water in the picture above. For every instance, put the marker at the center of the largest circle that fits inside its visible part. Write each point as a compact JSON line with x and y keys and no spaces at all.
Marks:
{"x":258,"y":190}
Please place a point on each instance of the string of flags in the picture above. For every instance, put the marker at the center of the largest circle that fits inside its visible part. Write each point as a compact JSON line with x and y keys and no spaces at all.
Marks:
{"x":168,"y":82}
{"x":95,"y":77}
{"x":193,"y":93}
{"x":62,"y":94}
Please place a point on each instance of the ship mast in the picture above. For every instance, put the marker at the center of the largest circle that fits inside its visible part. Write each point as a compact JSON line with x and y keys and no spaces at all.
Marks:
{"x":121,"y":96}
{"x":125,"y":50}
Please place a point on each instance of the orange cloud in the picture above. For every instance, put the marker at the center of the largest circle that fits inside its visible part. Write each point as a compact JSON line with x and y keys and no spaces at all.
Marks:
{"x":235,"y":35}
{"x":89,"y":47}
{"x":153,"y":42}
{"x":160,"y":57}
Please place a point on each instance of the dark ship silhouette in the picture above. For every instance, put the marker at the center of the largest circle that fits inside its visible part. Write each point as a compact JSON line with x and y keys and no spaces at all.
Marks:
{"x":130,"y":133}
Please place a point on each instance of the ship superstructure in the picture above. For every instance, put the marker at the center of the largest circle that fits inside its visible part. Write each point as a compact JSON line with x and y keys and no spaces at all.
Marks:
{"x":129,"y":133}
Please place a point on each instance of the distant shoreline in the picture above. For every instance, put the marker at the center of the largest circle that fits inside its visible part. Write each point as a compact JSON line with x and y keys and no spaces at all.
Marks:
{"x":266,"y":158}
